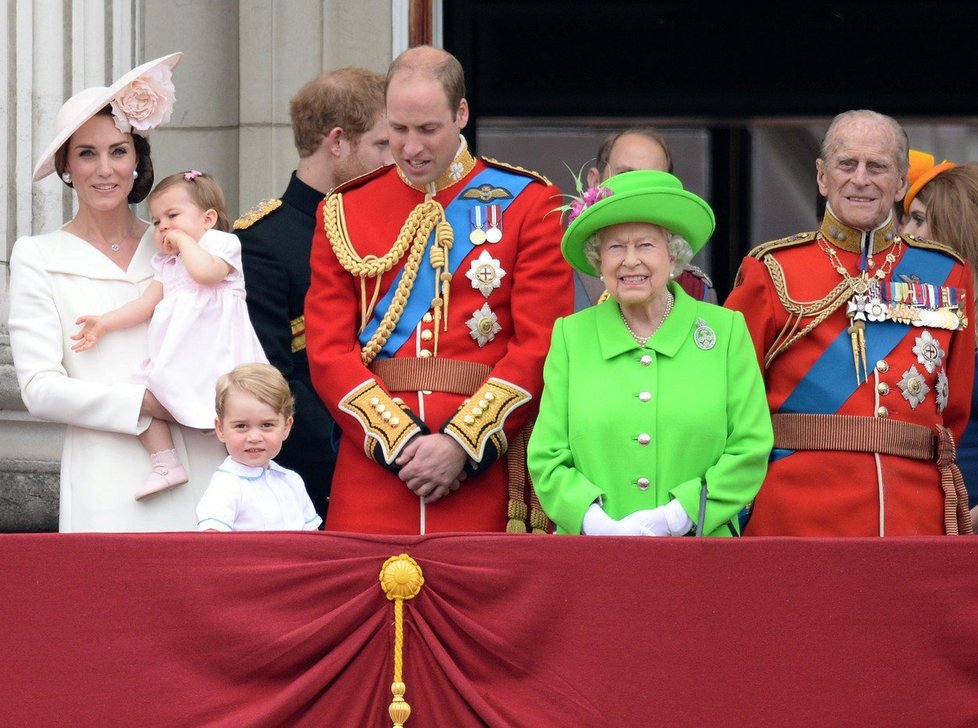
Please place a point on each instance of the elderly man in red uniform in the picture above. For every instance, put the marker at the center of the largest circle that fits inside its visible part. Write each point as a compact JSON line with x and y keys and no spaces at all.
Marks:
{"x":435,"y":285}
{"x":867,"y":346}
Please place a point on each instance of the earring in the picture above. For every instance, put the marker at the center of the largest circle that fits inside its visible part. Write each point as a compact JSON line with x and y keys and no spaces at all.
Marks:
{"x":672,"y":274}
{"x":135,"y":174}
{"x":66,"y":176}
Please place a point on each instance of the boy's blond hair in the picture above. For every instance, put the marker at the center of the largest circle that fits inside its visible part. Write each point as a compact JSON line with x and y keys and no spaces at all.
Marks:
{"x":261,"y":381}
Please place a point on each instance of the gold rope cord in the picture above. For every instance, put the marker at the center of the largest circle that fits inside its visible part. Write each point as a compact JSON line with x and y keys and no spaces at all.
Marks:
{"x":401,"y":579}
{"x":517,"y":512}
{"x":797,"y":310}
{"x":444,"y":239}
{"x":414,"y":235}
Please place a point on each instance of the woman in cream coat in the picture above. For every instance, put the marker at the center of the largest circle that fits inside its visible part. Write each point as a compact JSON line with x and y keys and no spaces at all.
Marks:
{"x":97,"y":262}
{"x":653,"y":420}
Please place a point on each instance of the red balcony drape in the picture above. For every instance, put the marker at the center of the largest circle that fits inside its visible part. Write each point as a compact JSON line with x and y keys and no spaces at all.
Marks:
{"x":293,"y":629}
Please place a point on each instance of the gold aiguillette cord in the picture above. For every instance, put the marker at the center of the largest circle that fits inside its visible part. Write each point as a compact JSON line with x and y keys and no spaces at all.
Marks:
{"x":857,"y":335}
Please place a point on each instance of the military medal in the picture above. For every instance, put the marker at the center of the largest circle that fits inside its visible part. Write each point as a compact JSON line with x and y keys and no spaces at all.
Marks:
{"x":494,"y":218}
{"x":875,"y":308}
{"x":483,"y":326}
{"x":477,"y":222}
{"x":941,"y":390}
{"x":924,"y":304}
{"x":865,"y":302}
{"x":704,"y":336}
{"x":913,"y":386}
{"x":485,"y":273}
{"x":928,"y":351}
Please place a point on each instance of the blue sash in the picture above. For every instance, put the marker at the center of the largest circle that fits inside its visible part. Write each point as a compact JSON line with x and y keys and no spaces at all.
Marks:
{"x":831,"y":380}
{"x":419,"y":301}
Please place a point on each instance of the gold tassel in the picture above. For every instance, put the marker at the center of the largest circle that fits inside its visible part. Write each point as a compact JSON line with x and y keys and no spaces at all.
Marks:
{"x":401,"y":579}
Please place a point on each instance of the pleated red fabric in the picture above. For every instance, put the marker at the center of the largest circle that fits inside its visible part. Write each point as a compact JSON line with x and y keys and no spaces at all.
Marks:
{"x":293,"y":629}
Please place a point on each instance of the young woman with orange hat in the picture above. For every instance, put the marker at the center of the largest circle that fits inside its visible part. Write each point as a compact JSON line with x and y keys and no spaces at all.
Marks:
{"x":942,"y":205}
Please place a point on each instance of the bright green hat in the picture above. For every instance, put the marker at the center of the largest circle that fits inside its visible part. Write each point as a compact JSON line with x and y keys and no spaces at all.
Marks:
{"x":639,"y":196}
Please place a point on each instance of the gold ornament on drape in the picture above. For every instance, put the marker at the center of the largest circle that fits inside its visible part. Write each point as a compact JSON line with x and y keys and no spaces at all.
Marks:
{"x":401,"y":579}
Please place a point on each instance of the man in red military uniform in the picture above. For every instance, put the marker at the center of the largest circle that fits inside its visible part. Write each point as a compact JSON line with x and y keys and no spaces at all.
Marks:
{"x":435,"y":285}
{"x":867,"y":345}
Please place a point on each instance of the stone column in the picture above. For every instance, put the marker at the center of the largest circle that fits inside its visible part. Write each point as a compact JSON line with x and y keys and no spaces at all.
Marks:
{"x":283,"y":45}
{"x":60,"y":47}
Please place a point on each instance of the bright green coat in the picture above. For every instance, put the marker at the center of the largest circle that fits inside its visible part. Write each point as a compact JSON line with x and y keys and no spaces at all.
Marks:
{"x":704,"y":412}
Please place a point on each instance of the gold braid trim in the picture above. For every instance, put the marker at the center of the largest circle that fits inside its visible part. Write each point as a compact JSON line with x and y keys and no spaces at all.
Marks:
{"x":414,"y":236}
{"x":797,"y":310}
{"x":933,"y":245}
{"x":384,"y":422}
{"x":481,"y":418}
{"x":522,"y":170}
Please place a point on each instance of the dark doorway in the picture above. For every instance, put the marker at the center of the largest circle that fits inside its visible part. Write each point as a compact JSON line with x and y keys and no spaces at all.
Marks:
{"x":783,"y":68}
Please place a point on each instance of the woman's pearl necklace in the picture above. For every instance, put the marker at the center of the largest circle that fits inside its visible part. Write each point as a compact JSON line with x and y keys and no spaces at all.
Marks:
{"x":643,"y":340}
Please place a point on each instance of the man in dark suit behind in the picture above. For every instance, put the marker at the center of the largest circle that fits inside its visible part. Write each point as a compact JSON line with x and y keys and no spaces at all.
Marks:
{"x":340,"y":133}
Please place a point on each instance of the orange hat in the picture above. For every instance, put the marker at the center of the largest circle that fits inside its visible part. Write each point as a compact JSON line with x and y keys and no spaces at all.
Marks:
{"x":922,"y":171}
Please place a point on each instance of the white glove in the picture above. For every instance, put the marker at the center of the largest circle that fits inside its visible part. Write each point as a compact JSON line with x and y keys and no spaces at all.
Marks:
{"x":667,"y":520}
{"x":598,"y":523}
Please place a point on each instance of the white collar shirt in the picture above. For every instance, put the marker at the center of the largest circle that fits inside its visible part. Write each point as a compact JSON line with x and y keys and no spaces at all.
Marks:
{"x":245,"y":498}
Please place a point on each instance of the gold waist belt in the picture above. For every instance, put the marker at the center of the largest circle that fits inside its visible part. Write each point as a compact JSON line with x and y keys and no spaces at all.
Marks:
{"x":850,"y":433}
{"x":431,"y":375}
{"x":853,"y":434}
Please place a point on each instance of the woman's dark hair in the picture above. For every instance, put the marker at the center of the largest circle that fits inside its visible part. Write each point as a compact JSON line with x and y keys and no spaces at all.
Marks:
{"x":143,"y":183}
{"x":144,"y":168}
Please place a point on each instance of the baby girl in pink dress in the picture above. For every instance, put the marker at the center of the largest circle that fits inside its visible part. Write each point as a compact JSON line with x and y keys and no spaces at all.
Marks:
{"x":199,"y":327}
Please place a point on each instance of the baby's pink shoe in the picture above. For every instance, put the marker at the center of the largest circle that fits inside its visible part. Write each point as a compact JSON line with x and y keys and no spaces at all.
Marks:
{"x":168,"y":472}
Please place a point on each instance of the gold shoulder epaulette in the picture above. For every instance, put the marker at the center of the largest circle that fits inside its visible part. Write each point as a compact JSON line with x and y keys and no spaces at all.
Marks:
{"x":764,"y":248}
{"x":933,"y":245}
{"x":513,"y":168}
{"x":256,"y":213}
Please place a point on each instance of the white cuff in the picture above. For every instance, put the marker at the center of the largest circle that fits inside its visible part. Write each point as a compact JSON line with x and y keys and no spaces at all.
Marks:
{"x":677,"y":520}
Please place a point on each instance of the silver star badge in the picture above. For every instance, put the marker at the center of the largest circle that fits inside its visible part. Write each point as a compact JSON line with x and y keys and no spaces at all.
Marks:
{"x":913,"y":386}
{"x":941,"y":390}
{"x":928,"y":351}
{"x":485,"y":273}
{"x":483,"y":325}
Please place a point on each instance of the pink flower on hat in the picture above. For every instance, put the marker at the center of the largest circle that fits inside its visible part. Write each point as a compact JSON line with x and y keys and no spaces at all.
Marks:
{"x":145,"y":103}
{"x":590,"y":196}
{"x":583,"y":199}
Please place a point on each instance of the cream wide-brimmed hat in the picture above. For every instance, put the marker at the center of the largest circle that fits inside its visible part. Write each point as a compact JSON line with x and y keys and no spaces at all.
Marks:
{"x":141,"y":100}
